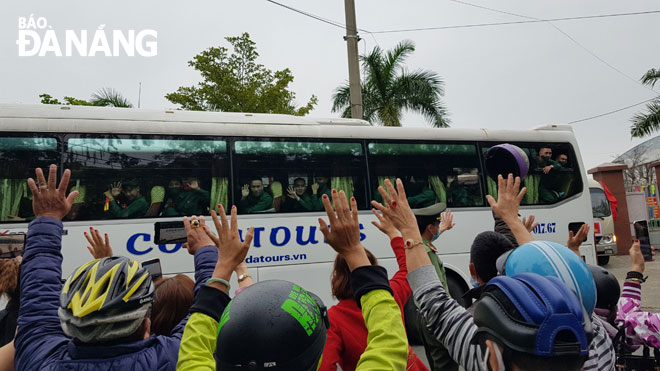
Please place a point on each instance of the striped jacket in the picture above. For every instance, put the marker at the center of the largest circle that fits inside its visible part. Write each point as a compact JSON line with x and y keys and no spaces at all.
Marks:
{"x":642,"y":328}
{"x":454,"y":327}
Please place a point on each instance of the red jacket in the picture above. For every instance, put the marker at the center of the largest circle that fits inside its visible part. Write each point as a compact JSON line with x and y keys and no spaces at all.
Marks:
{"x":347,"y":336}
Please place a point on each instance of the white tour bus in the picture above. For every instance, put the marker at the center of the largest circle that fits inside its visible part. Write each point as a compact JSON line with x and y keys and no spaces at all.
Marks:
{"x":213,"y":155}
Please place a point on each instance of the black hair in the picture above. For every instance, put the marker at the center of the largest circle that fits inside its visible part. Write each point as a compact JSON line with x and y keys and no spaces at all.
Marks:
{"x":299,"y":178}
{"x":425,"y":220}
{"x":256,"y":178}
{"x":485,"y":250}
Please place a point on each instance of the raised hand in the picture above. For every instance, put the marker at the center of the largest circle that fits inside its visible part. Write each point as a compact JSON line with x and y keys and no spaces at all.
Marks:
{"x":396,"y":208}
{"x":231,"y":250}
{"x":509,"y":196}
{"x":48,"y":199}
{"x":291,"y":193}
{"x":344,"y":234}
{"x":99,"y":247}
{"x":384,"y":225}
{"x":315,"y":188}
{"x":574,"y":241}
{"x":529,"y":223}
{"x":197,"y":238}
{"x":447,"y":222}
{"x":245,"y":191}
{"x":636,"y":257}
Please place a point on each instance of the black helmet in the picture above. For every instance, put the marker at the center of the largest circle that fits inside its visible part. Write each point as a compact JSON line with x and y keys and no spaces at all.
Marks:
{"x":272,"y":325}
{"x":607,"y":287}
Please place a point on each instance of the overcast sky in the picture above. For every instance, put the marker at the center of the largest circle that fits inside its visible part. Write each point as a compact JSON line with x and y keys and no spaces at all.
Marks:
{"x":512,"y":76}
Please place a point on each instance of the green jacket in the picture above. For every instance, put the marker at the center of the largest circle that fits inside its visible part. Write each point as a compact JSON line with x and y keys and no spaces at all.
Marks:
{"x":189,"y":203}
{"x":135,"y":209}
{"x":306,"y":203}
{"x":387,"y":345}
{"x":424,"y":199}
{"x":251,"y":204}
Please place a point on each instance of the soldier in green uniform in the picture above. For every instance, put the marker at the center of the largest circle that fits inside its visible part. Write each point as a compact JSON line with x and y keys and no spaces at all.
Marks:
{"x":254,"y":199}
{"x":190,"y":199}
{"x":548,"y":184}
{"x":319,"y":188}
{"x":132,"y":205}
{"x":298,"y":199}
{"x":431,"y":225}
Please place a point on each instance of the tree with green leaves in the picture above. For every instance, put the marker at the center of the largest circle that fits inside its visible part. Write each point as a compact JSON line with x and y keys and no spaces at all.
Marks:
{"x":388,"y":89}
{"x":232,"y":81}
{"x":104,"y":97}
{"x":644,"y":124}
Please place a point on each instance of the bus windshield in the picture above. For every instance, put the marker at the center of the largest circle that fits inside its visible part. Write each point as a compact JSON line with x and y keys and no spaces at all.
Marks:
{"x":599,"y":204}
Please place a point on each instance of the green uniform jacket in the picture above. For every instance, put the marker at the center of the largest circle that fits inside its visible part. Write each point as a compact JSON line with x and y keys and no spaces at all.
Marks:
{"x":189,"y":203}
{"x":387,"y":345}
{"x":135,"y":209}
{"x":424,"y":199}
{"x":306,"y":203}
{"x":251,"y":204}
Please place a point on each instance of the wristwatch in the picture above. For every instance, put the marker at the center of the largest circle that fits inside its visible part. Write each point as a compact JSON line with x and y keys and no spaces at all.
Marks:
{"x":243,"y":277}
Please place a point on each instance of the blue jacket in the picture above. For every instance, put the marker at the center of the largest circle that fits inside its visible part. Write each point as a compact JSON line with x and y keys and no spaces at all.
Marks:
{"x":40,"y":342}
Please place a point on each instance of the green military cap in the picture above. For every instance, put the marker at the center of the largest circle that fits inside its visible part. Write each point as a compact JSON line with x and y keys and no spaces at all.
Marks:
{"x":435,"y":209}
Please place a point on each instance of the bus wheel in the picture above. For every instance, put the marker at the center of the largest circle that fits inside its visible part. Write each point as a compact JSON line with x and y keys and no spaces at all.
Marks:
{"x":603,"y":259}
{"x":457,"y":289}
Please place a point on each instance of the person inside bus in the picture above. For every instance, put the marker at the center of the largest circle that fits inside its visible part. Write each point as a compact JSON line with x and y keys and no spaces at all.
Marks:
{"x":497,"y":336}
{"x":562,"y":159}
{"x":131,"y":205}
{"x":253,"y":198}
{"x":190,"y":199}
{"x":297,"y":198}
{"x":432,"y":221}
{"x":57,"y":332}
{"x":320,"y":187}
{"x":550,"y":181}
{"x":347,"y":335}
{"x":421,"y":194}
{"x":457,"y":194}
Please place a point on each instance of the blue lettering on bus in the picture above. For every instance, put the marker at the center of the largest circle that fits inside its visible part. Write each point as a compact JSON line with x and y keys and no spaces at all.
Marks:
{"x":273,"y":236}
{"x":311,"y":239}
{"x":257,"y":236}
{"x":278,"y":236}
{"x":162,"y":247}
{"x":130,"y":244}
{"x":543,"y":228}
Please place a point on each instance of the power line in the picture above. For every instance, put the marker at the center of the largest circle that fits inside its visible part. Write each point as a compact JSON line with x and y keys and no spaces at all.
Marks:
{"x":516,"y":22}
{"x":318,"y":18}
{"x":611,"y":112}
{"x":571,"y":38}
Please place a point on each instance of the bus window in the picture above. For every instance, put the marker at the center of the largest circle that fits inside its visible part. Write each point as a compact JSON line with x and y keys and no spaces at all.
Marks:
{"x":136,"y":177}
{"x":292,"y":176}
{"x":553,"y":173}
{"x":599,"y":203}
{"x":431,"y":172}
{"x":19,"y":156}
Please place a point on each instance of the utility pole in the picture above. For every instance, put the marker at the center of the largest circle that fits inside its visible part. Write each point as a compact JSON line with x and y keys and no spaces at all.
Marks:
{"x":353,"y":64}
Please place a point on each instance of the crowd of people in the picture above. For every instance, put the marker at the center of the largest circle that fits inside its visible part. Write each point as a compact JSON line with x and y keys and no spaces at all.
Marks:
{"x":534,"y":305}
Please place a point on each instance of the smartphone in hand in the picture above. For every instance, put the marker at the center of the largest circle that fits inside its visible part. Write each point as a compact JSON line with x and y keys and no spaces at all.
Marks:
{"x":642,"y":234}
{"x":170,"y":232}
{"x":153,"y":267}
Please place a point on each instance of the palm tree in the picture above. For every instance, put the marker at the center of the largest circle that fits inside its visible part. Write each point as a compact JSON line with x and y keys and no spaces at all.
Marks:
{"x":389,"y":88}
{"x":109,"y":97}
{"x":644,"y":124}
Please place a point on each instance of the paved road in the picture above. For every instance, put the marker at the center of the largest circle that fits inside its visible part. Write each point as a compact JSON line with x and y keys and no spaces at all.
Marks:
{"x":619,"y":265}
